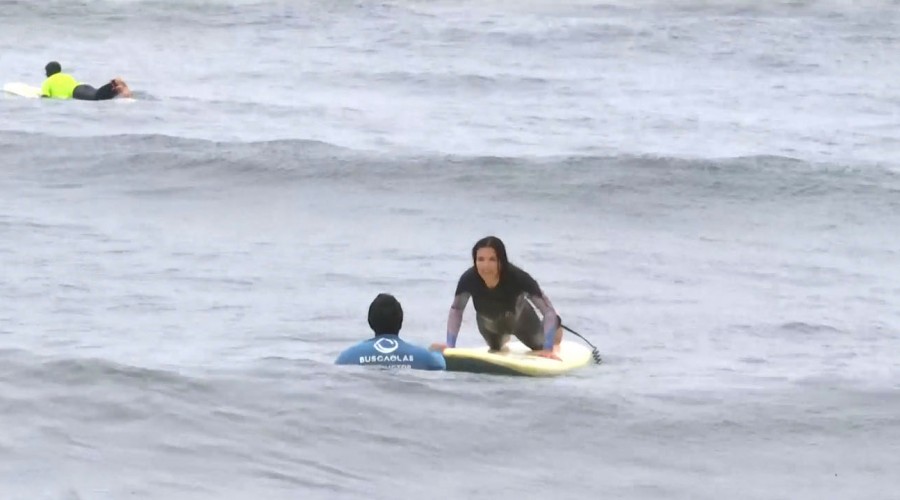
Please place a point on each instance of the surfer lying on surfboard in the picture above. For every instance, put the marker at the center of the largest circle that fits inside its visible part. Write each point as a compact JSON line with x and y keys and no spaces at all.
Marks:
{"x":59,"y":85}
{"x":501,"y":293}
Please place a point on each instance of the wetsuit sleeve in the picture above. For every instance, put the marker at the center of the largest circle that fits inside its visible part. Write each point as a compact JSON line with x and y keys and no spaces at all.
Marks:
{"x":551,"y":319}
{"x":454,"y":319}
{"x":45,"y":88}
{"x":542,"y":302}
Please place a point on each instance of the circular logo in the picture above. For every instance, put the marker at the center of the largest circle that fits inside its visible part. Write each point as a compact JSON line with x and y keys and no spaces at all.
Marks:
{"x":386,"y":346}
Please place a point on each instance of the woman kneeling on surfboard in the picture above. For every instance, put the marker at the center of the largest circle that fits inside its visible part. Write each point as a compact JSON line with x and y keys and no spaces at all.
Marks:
{"x":501,"y":293}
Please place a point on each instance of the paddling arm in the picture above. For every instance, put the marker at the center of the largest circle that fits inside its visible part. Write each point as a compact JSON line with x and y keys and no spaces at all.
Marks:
{"x":551,"y":319}
{"x":455,"y":317}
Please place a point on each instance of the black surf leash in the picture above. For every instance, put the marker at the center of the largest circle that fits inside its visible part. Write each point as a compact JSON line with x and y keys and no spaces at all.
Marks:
{"x":594,"y":351}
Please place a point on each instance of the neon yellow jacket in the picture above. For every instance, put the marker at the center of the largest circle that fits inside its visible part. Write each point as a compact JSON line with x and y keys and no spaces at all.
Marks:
{"x":59,"y":86}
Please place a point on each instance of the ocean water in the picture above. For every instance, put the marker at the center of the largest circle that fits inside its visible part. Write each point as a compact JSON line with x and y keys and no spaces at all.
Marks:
{"x":708,"y":191}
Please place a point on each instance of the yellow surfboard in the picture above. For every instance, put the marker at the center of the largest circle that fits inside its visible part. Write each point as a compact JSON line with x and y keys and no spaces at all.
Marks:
{"x":517,"y":360}
{"x":22,"y":89}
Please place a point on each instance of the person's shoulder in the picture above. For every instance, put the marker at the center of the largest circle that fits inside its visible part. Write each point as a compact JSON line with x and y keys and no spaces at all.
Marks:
{"x":436,"y":361}
{"x":411,"y":347}
{"x":469,"y":277}
{"x":516,"y":272}
{"x":351,"y":354}
{"x":470,"y":272}
{"x":424,"y":358}
{"x":522,"y":278}
{"x":439,"y":362}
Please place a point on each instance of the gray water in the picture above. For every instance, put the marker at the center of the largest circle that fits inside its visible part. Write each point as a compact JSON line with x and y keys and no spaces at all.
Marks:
{"x":708,"y":191}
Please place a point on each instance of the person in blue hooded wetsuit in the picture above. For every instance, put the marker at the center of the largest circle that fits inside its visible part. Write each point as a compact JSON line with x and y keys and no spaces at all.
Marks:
{"x":386,"y":348}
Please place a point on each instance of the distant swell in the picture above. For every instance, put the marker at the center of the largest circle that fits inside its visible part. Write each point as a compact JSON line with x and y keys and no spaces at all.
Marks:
{"x":170,"y":163}
{"x":71,"y":373}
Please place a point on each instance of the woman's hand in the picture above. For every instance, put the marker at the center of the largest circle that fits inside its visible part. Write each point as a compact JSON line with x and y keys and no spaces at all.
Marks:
{"x":547,"y":354}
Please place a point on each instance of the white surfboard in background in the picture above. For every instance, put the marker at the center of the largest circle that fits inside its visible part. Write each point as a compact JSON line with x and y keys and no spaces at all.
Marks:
{"x":22,"y":89}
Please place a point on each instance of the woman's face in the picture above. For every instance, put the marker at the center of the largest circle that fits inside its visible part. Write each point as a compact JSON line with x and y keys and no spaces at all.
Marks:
{"x":486,"y":264}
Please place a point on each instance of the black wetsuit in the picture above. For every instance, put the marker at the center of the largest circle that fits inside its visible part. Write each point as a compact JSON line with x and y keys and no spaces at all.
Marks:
{"x":504,"y":310}
{"x":86,"y":92}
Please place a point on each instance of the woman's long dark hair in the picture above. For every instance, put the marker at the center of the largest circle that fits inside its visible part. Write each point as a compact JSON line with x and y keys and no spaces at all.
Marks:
{"x":498,"y":246}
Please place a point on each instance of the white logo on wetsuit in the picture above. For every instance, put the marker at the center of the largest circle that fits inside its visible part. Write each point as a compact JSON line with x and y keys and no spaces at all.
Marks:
{"x":386,"y":345}
{"x":388,"y":358}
